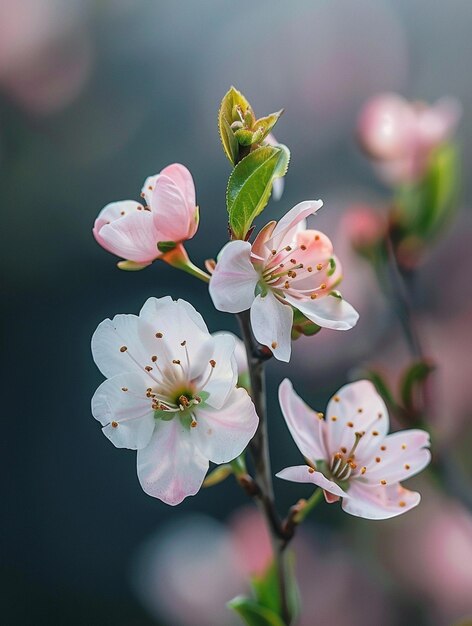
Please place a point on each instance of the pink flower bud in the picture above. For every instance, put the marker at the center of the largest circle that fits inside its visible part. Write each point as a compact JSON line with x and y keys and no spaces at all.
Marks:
{"x":364,"y":226}
{"x":133,"y":231}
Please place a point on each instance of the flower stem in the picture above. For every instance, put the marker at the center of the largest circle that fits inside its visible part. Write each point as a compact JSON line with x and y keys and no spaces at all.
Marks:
{"x":310,"y":504}
{"x":444,"y":467}
{"x":178,"y":257}
{"x":259,"y":448}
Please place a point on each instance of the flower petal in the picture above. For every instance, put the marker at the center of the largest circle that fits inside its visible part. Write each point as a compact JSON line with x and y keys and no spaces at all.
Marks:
{"x":379,"y":502}
{"x":290,"y":220}
{"x":305,"y":474}
{"x":121,"y":406}
{"x":219,"y":377}
{"x":222,"y":434}
{"x":173,"y":217}
{"x":117,"y":346}
{"x":170,"y":467}
{"x":328,"y":311}
{"x":356,"y":407}
{"x":132,"y":236}
{"x":303,"y":423}
{"x":234,"y":280}
{"x":271,"y":323}
{"x":183,"y":334}
{"x":183,"y":180}
{"x":400,"y":456}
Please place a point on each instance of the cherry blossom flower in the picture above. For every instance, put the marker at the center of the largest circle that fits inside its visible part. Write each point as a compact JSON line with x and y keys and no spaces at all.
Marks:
{"x":132,"y":231}
{"x":349,"y":453}
{"x":286,"y":266}
{"x":401,"y":135}
{"x":171,"y":395}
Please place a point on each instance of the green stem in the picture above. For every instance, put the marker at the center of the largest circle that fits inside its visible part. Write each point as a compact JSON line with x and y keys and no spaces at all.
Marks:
{"x":193,"y":270}
{"x":312,"y":501}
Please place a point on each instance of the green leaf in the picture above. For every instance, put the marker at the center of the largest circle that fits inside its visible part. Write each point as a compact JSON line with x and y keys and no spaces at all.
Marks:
{"x":231,"y":103}
{"x":303,"y":326}
{"x":253,"y":613}
{"x":425,"y":209}
{"x":382,"y":387}
{"x":267,"y":123}
{"x":266,"y":587}
{"x":250,"y":184}
{"x":412,"y":379}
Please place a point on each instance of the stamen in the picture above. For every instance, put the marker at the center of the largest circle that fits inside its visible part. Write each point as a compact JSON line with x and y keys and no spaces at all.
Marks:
{"x":159,"y":335}
{"x":123,"y":349}
{"x":212,"y":362}
{"x":114,"y":424}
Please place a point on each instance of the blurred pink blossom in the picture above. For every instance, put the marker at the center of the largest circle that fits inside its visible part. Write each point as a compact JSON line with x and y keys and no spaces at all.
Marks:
{"x":400,"y":135}
{"x":189,"y":570}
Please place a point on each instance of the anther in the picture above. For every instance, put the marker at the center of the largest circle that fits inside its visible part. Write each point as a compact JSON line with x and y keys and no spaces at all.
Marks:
{"x":336,"y":398}
{"x":383,"y":482}
{"x":377,"y":459}
{"x":383,"y":448}
{"x":182,"y":343}
{"x":309,"y":268}
{"x":350,"y":424}
{"x":288,"y":248}
{"x":407,"y":467}
{"x":212,"y":362}
{"x":323,"y":286}
{"x":375,"y":433}
{"x":293,"y":261}
{"x":303,"y":247}
{"x":193,"y":423}
{"x":403,"y":446}
{"x":314,"y":296}
{"x":176,"y":361}
{"x":273,"y":345}
{"x":124,"y":389}
{"x":122,"y":213}
{"x":360,"y":410}
{"x":364,"y":470}
{"x":319,"y":266}
{"x":159,"y":335}
{"x":311,"y":470}
{"x":402,"y":503}
{"x":317,"y":237}
{"x":148,"y":368}
{"x":114,"y":424}
{"x":274,"y":252}
{"x":123,"y":349}
{"x":334,"y":418}
{"x":343,"y":450}
{"x":286,"y":284}
{"x":154,"y":358}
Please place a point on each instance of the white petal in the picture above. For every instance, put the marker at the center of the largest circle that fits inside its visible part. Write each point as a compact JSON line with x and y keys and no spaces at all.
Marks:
{"x":401,"y":455}
{"x":291,"y":219}
{"x":122,"y":401}
{"x":170,"y":467}
{"x":303,"y":423}
{"x":222,"y":434}
{"x":271,"y":323}
{"x":327,"y":312}
{"x":380,"y":502}
{"x":148,"y":188}
{"x":356,"y":407}
{"x":234,"y":280}
{"x":123,"y":331}
{"x":178,"y":323}
{"x":305,"y":474}
{"x":221,"y":377}
{"x":239,"y":352}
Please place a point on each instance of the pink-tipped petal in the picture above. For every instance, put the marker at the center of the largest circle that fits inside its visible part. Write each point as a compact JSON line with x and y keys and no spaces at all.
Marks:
{"x":271,"y":323}
{"x":222,"y":434}
{"x":305,"y":474}
{"x":121,"y":406}
{"x":379,"y":502}
{"x":183,"y":180}
{"x":127,"y":230}
{"x":234,"y":280}
{"x":171,"y":467}
{"x":174,"y":219}
{"x":304,"y":424}
{"x":291,"y":219}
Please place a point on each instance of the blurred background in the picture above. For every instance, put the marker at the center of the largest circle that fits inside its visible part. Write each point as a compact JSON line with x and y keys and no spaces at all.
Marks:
{"x":94,"y":97}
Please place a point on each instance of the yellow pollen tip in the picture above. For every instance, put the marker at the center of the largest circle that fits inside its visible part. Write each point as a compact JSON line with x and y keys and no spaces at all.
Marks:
{"x":350,"y":424}
{"x":309,"y":268}
{"x":334,"y":418}
{"x":383,"y":482}
{"x":375,"y":433}
{"x":193,"y":424}
{"x":336,"y":398}
{"x":114,"y":424}
{"x":313,"y":296}
{"x":402,"y":503}
{"x":407,"y":467}
{"x":403,"y":446}
{"x":311,"y":470}
{"x":323,"y":286}
{"x":364,"y":470}
{"x":273,"y":345}
{"x":319,"y":266}
{"x":317,"y":237}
